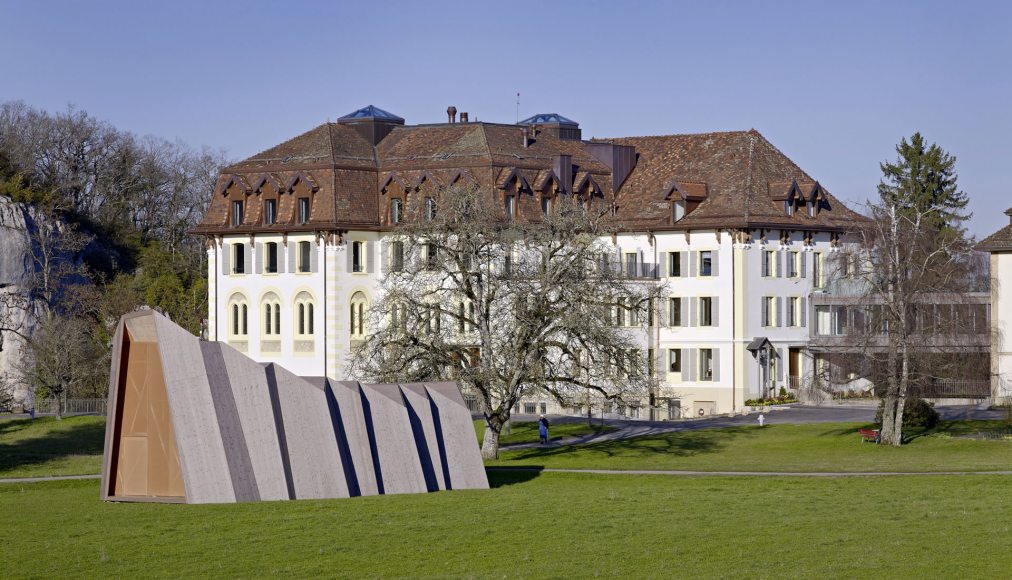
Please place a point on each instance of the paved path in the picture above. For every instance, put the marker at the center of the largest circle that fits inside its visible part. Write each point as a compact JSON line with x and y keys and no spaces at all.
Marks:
{"x":747,"y":473}
{"x":49,"y":478}
{"x":626,"y":429}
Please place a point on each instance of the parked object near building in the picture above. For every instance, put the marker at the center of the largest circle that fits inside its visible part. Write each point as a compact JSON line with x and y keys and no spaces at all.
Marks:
{"x":999,"y":245}
{"x":199,"y":422}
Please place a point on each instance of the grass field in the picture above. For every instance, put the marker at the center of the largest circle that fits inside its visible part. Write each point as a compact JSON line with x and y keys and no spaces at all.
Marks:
{"x":527,"y":432}
{"x":45,"y":446}
{"x":547,"y":525}
{"x":816,"y":447}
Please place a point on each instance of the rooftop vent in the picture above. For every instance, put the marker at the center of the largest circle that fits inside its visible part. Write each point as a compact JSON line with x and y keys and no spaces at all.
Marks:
{"x":555,"y":124}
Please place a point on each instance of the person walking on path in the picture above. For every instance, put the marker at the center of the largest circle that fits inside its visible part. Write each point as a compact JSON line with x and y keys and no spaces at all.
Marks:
{"x":543,"y":430}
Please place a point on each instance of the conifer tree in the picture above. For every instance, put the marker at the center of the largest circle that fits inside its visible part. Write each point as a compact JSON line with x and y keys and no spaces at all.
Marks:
{"x":923,"y":181}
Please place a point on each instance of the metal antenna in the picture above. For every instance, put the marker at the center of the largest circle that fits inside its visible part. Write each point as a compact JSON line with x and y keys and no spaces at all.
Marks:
{"x":518,"y":108}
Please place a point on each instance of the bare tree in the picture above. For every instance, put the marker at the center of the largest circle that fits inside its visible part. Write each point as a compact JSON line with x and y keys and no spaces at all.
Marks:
{"x":506,"y":307}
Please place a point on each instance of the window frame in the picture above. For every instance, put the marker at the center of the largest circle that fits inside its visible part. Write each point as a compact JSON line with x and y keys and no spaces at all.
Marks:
{"x":708,"y":301}
{"x":303,"y":210}
{"x":304,"y":257}
{"x":270,"y":212}
{"x":706,"y":262}
{"x":270,"y":247}
{"x":238,"y":212}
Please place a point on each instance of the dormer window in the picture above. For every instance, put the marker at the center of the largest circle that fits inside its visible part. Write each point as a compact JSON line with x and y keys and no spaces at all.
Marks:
{"x":396,"y":210}
{"x":237,"y":213}
{"x":270,"y":211}
{"x":303,"y":210}
{"x":510,"y":207}
{"x":546,"y":206}
{"x":430,"y":209}
{"x":811,"y":209}
{"x":789,"y":206}
{"x":677,"y":210}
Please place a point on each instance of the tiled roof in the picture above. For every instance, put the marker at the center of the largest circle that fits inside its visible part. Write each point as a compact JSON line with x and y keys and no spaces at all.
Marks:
{"x":1000,"y":241}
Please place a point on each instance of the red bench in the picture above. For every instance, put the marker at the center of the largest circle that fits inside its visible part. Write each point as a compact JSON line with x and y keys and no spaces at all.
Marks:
{"x":869,"y":435}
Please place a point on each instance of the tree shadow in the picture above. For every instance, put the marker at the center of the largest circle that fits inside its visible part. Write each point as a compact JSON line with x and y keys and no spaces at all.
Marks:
{"x":512,"y":475}
{"x":82,"y":439}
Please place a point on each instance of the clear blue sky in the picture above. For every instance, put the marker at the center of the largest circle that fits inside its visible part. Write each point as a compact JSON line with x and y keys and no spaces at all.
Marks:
{"x":833,"y":84}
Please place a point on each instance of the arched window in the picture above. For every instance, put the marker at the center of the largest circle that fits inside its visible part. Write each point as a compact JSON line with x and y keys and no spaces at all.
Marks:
{"x":396,"y":210}
{"x":238,"y":310}
{"x":271,"y":308}
{"x":430,"y":209}
{"x":304,"y":310}
{"x":358,"y":307}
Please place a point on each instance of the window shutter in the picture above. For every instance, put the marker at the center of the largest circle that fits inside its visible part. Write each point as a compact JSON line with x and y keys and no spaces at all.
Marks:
{"x":688,"y":364}
{"x":641,"y":265}
{"x":714,"y":255}
{"x":715,"y":361}
{"x":764,"y":267}
{"x":664,"y":264}
{"x":683,"y":304}
{"x":804,"y":265}
{"x":780,"y":311}
{"x":350,"y":251}
{"x":781,"y":363}
{"x":370,"y":257}
{"x":764,"y":310}
{"x":226,"y":259}
{"x":384,"y":257}
{"x":617,"y":267}
{"x":660,"y":361}
{"x":281,"y":259}
{"x":313,"y":256}
{"x":790,"y":311}
{"x":292,"y":252}
{"x":715,"y":311}
{"x":693,"y":308}
{"x":804,"y":311}
{"x":663,"y":312}
{"x":692,"y":264}
{"x":780,"y":264}
{"x":260,"y":258}
{"x":247,"y":257}
{"x":683,"y":264}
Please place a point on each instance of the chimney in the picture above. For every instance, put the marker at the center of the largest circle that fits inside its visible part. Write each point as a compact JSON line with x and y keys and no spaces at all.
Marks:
{"x":526,"y":137}
{"x":1008,"y":212}
{"x":463,"y":117}
{"x":451,"y":113}
{"x":562,"y":165}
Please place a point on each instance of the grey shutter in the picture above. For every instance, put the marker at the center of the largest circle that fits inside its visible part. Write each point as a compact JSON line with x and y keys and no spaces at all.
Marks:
{"x":313,"y":256}
{"x":686,"y":365}
{"x":790,"y":311}
{"x":226,"y":259}
{"x":662,"y":312}
{"x":714,"y":311}
{"x":281,"y":259}
{"x":350,"y":251}
{"x":780,"y":311}
{"x":292,"y":253}
{"x":763,"y":306}
{"x":247,"y":258}
{"x":370,"y":257}
{"x":692,"y":264}
{"x":715,"y":361}
{"x":664,"y":264}
{"x":693,"y":307}
{"x":641,"y":265}
{"x":804,"y":311}
{"x":683,"y":305}
{"x":683,"y":264}
{"x":384,"y":257}
{"x":780,"y":264}
{"x":259,"y":269}
{"x":804,"y":265}
{"x":765,"y":261}
{"x":781,"y":363}
{"x":713,"y":263}
{"x":618,"y":268}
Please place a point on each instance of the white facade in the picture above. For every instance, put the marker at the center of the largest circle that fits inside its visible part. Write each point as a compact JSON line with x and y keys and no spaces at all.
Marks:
{"x":714,"y":307}
{"x":1001,"y":321}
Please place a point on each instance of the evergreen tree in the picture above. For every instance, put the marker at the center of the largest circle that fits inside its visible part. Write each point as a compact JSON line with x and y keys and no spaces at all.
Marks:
{"x":923,"y":180}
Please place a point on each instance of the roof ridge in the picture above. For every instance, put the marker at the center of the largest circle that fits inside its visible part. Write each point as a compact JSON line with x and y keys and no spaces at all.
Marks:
{"x":730,"y":132}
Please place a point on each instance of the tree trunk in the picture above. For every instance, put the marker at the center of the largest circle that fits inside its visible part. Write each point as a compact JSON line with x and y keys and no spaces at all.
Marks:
{"x":490,"y":442}
{"x":59,"y":407}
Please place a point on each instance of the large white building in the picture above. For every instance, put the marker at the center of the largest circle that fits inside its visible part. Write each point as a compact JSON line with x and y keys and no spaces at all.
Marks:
{"x":999,"y":245}
{"x":296,"y":240}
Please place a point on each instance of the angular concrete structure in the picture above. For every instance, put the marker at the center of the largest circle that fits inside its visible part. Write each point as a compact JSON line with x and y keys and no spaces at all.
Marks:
{"x":199,"y":422}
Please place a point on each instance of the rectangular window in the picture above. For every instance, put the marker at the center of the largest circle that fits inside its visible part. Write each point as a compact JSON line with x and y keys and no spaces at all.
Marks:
{"x":674,"y":264}
{"x":794,"y":316}
{"x":706,"y":311}
{"x":271,"y":258}
{"x":706,"y":364}
{"x":677,"y":210}
{"x":237,"y":213}
{"x":769,"y":263}
{"x":530,"y":408}
{"x":303,"y":210}
{"x":620,"y":312}
{"x":238,"y":258}
{"x":769,"y":311}
{"x":430,"y":256}
{"x":675,"y":311}
{"x":510,"y":207}
{"x":817,"y":279}
{"x":793,"y":269}
{"x":674,"y":360}
{"x":546,"y":206}
{"x":397,"y":256}
{"x":706,"y":263}
{"x":270,"y":211}
{"x":630,"y":263}
{"x":358,"y":256}
{"x":305,"y":262}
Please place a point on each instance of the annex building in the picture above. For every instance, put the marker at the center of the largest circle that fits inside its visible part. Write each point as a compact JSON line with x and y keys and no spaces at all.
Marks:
{"x":296,"y":241}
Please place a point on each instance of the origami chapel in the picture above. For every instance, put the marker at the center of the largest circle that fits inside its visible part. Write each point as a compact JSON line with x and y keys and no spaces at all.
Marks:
{"x":192,"y":421}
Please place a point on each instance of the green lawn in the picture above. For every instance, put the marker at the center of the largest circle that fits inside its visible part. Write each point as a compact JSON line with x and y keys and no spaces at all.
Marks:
{"x":816,"y":447}
{"x":45,"y":446}
{"x":536,"y":525}
{"x":527,"y":431}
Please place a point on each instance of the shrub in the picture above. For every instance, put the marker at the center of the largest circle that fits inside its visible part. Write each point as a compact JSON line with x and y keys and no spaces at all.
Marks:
{"x":783,"y":393}
{"x":917,"y":414}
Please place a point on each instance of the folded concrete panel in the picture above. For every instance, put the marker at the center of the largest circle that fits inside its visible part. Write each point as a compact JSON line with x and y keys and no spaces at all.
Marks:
{"x":206,"y":476}
{"x":352,"y":436}
{"x":248,"y":380}
{"x":463,"y":465}
{"x":393,"y":441}
{"x":315,"y":461}
{"x":426,"y":439}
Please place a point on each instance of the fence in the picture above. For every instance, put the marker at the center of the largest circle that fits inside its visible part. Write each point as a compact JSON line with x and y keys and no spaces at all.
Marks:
{"x":72,"y":406}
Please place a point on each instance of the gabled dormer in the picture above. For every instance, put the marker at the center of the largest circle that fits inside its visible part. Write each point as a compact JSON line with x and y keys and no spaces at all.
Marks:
{"x":683,"y":197}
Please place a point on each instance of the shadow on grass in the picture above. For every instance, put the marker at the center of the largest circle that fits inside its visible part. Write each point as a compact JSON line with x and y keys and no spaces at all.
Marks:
{"x":503,"y":476}
{"x":82,"y":439}
{"x":678,"y":443}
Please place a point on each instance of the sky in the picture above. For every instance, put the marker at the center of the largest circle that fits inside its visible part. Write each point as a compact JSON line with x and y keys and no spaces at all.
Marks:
{"x":834,"y":85}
